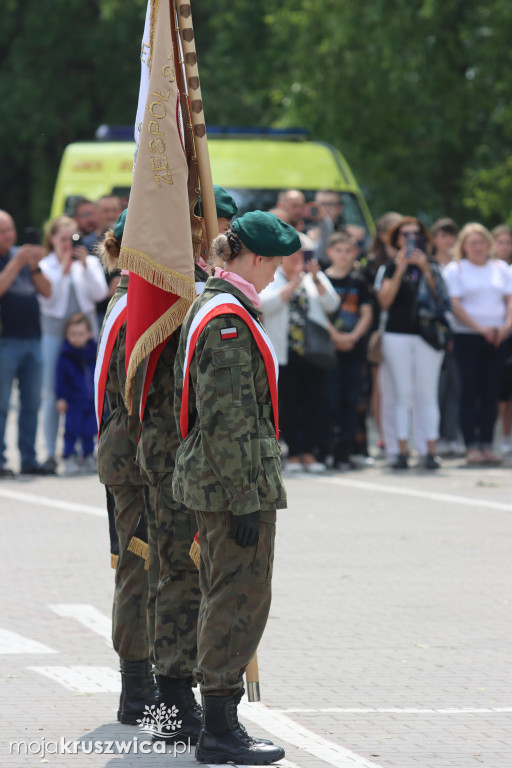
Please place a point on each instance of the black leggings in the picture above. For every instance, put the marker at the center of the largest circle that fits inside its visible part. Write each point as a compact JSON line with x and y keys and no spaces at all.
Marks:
{"x":300,"y":399}
{"x":480,"y":366}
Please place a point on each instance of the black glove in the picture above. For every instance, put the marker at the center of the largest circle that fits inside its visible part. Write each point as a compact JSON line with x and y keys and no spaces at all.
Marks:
{"x":245,"y":529}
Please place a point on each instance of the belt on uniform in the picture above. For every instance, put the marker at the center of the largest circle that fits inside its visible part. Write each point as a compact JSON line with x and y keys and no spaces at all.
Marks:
{"x":265,"y":411}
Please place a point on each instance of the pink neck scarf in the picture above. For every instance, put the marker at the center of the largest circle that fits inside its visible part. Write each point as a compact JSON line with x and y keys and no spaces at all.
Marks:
{"x":243,"y":285}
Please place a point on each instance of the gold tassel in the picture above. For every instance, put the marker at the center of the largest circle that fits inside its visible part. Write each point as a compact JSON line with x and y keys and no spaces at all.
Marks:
{"x":155,"y":335}
{"x":113,"y":561}
{"x":138,"y":547}
{"x":146,"y":564}
{"x":157,"y":274}
{"x":195,"y":553}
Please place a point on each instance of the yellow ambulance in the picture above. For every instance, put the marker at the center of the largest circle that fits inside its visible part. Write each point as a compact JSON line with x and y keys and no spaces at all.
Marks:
{"x":252,"y":164}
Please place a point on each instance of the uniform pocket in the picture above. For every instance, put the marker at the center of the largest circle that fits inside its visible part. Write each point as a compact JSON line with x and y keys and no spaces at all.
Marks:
{"x":264,"y":560}
{"x":228,"y":364}
{"x":270,"y":478}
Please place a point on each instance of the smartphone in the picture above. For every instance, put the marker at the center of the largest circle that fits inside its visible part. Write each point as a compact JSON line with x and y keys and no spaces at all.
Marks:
{"x":31,"y":236}
{"x":415,"y":242}
{"x":410,"y":245}
{"x":308,"y":255}
{"x":421,"y":242}
{"x":76,"y":240}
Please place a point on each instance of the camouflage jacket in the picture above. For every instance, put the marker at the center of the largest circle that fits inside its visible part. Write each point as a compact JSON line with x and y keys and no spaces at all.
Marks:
{"x":159,"y":439}
{"x":117,"y":443}
{"x":230,"y":458}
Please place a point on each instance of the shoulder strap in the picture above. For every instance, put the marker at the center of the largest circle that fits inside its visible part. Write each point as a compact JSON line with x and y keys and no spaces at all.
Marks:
{"x":114,"y":322}
{"x":227,"y":304}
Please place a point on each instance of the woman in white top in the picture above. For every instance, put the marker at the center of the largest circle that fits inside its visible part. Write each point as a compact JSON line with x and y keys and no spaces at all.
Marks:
{"x":299,"y":290}
{"x":77,"y":282}
{"x":480,"y":287}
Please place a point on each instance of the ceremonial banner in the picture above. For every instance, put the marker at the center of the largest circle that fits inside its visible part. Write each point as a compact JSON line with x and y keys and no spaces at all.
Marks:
{"x":157,"y":241}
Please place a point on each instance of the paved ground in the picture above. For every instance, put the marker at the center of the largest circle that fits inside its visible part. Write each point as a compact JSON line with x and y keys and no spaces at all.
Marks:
{"x":388,"y":642}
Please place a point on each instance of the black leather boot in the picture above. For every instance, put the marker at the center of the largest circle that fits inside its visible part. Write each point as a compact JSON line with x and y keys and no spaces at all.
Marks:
{"x":223,"y":740}
{"x":179,"y":693}
{"x":138,"y":690}
{"x":238,"y":698}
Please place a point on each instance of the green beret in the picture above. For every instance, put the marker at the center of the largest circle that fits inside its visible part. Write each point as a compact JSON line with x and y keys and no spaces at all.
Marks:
{"x":119,"y":225}
{"x":266,"y":235}
{"x":224,"y":203}
{"x":226,"y":206}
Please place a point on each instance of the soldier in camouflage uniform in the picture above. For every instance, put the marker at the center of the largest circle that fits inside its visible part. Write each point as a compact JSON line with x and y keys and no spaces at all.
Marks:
{"x":228,"y":470}
{"x":174,"y":594}
{"x":117,"y":469}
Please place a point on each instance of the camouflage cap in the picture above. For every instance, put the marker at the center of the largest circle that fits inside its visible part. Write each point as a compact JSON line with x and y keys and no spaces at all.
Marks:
{"x":265,"y":234}
{"x":119,"y":225}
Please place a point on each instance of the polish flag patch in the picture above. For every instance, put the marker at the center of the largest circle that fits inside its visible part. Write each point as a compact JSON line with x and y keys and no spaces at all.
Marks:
{"x":229,"y":333}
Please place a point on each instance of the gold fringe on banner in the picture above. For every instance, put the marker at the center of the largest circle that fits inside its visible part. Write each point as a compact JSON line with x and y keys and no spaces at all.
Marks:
{"x":156,"y":274}
{"x":159,"y":332}
{"x":138,"y":547}
{"x":195,"y":553}
{"x":113,"y":561}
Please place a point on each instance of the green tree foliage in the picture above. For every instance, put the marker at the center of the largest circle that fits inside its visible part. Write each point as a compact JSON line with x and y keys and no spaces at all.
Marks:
{"x":416,"y":93}
{"x":67,"y":66}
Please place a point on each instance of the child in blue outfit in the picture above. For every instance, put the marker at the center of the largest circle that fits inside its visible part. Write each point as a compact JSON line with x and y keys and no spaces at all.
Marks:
{"x":74,"y":389}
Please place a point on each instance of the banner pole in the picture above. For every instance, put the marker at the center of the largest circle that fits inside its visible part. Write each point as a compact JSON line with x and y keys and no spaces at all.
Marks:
{"x":186,"y":31}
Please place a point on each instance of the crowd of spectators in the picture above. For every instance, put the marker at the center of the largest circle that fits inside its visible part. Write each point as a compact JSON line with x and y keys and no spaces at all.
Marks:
{"x":410,"y":328}
{"x":43,"y":290}
{"x":421,"y":334}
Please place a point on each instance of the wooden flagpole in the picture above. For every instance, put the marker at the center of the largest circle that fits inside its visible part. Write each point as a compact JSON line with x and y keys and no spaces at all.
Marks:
{"x":186,"y":31}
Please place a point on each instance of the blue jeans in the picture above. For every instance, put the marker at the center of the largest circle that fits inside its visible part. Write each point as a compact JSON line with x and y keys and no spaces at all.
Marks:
{"x":21,"y":359}
{"x":51,"y":347}
{"x":80,"y":424}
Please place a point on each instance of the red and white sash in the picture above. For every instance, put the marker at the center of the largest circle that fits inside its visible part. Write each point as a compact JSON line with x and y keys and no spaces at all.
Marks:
{"x":150,"y":365}
{"x":113,"y":324}
{"x":227,"y":304}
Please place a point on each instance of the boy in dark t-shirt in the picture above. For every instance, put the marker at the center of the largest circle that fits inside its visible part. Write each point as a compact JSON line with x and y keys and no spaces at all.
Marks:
{"x":349,"y":327}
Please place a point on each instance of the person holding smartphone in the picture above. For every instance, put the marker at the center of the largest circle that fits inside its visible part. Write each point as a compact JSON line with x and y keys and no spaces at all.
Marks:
{"x":413,"y":364}
{"x":21,"y":281}
{"x":77,"y":281}
{"x":300,"y":290}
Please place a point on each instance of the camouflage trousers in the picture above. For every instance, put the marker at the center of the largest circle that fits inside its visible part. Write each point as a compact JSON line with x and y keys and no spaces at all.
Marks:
{"x":236,"y":593}
{"x":174,"y":595}
{"x":129,"y":611}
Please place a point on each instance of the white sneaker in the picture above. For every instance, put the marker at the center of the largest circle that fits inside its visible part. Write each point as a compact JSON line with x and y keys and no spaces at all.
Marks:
{"x":70,"y":466}
{"x":89,"y":464}
{"x":457,"y":449}
{"x":294,"y":466}
{"x":443,"y":447}
{"x":363,"y":461}
{"x":316,"y":467}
